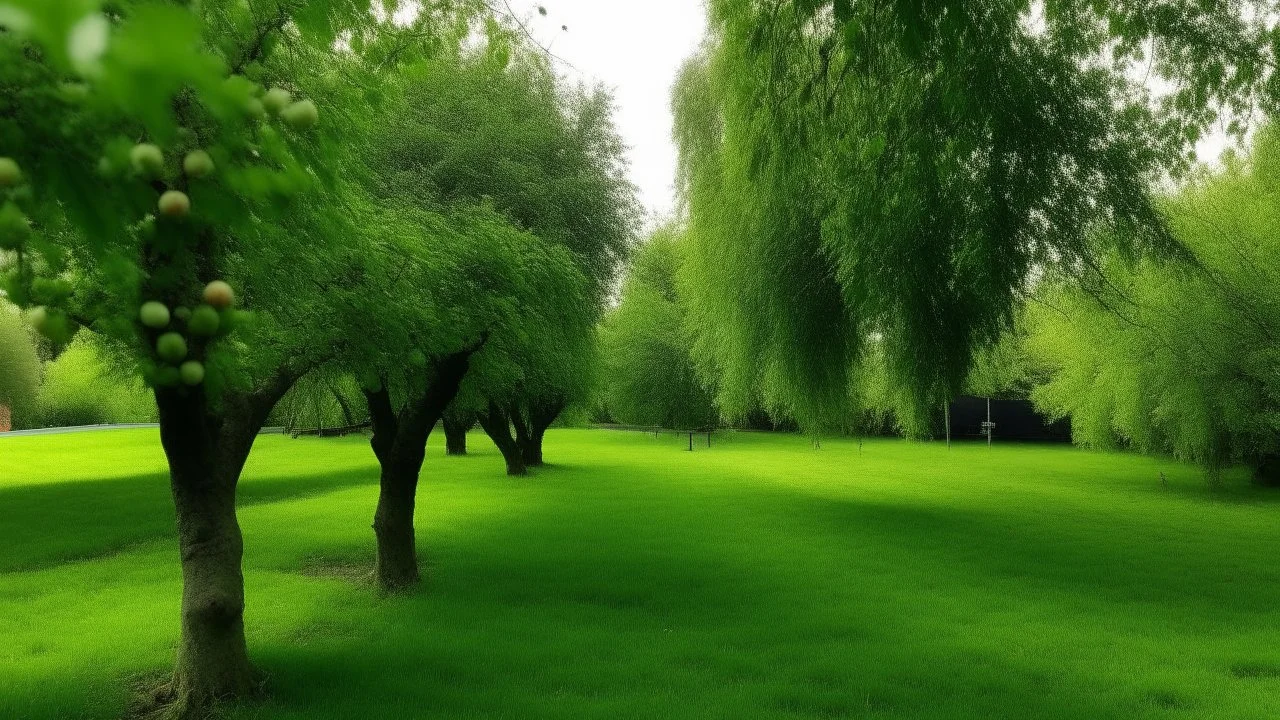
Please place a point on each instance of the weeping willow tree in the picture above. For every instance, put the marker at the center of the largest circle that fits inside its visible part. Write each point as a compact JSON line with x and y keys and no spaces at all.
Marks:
{"x":1175,"y":360}
{"x":879,"y":181}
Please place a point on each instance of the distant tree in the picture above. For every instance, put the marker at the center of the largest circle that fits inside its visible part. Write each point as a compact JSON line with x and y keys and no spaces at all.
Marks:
{"x":499,"y":126}
{"x":19,"y":368}
{"x":649,"y":375}
{"x":456,"y":426}
{"x":891,"y":175}
{"x":1165,"y":358}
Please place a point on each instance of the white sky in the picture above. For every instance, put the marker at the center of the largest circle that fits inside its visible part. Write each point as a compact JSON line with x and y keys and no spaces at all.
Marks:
{"x":635,"y":48}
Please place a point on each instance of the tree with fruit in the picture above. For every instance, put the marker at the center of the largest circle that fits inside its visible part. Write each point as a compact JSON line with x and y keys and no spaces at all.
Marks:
{"x":153,"y":188}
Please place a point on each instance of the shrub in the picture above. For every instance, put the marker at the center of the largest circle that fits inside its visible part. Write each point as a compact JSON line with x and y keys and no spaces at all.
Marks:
{"x":82,"y":388}
{"x":19,"y":368}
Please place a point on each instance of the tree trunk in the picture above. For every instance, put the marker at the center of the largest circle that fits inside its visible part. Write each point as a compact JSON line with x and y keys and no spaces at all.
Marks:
{"x":456,"y":427}
{"x":529,"y":455}
{"x":541,"y":415}
{"x":497,"y":425}
{"x":207,"y":450}
{"x":1266,"y":471}
{"x":400,"y":442}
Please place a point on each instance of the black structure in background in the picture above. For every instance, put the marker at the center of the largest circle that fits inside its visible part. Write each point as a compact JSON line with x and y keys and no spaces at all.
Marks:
{"x":1014,"y":419}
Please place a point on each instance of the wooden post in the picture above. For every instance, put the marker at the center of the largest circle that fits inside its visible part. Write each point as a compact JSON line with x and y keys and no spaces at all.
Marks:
{"x":989,"y":428}
{"x":946,"y":413}
{"x":690,"y":441}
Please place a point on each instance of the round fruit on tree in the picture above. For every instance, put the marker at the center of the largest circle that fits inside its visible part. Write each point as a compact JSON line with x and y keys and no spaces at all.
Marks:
{"x":10,"y":173}
{"x":197,"y":164}
{"x":276,"y":100}
{"x":192,"y":372}
{"x":204,"y":321}
{"x":301,"y":115}
{"x":154,"y":315}
{"x":182,"y":312}
{"x":166,"y":376}
{"x":147,"y":160}
{"x":171,"y":347}
{"x":219,"y":294}
{"x":175,"y":204}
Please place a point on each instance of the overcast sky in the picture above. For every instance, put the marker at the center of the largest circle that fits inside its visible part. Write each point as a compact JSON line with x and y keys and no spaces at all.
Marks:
{"x":635,"y":48}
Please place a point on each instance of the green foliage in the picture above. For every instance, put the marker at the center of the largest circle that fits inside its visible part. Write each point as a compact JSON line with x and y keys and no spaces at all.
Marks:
{"x":321,"y":399}
{"x":19,"y":368}
{"x":83,"y":387}
{"x":149,"y":170}
{"x":498,"y":125}
{"x":649,"y":376}
{"x":884,"y":178}
{"x":1168,"y":359}
{"x":509,"y":214}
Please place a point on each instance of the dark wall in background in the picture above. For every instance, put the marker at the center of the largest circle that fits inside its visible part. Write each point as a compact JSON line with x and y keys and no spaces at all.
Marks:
{"x":1014,"y":419}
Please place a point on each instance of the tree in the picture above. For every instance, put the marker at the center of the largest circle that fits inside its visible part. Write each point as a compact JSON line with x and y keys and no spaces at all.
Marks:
{"x":498,"y":126}
{"x":650,"y":377}
{"x":158,"y":184}
{"x":456,"y":426}
{"x":453,"y":291}
{"x":19,"y":368}
{"x":1172,"y":359}
{"x":892,"y":174}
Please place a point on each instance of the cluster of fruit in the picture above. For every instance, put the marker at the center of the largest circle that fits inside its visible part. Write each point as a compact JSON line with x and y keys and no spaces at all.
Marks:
{"x":207,"y":320}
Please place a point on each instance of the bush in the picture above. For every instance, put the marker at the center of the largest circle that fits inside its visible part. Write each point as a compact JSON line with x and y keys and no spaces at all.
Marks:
{"x":19,"y":368}
{"x":321,"y":400}
{"x":81,"y":388}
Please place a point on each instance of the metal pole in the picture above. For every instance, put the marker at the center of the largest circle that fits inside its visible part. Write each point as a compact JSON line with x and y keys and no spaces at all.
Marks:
{"x":690,"y":442}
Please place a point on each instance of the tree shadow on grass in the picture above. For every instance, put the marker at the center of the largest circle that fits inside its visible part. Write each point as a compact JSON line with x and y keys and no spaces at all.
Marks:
{"x":1108,"y":557}
{"x":57,"y":523}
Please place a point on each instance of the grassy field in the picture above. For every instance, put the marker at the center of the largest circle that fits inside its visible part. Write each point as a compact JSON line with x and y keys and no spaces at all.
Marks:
{"x":758,"y":579}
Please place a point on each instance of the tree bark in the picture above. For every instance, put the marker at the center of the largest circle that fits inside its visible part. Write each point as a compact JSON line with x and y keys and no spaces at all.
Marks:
{"x":456,"y":427}
{"x":541,"y":415}
{"x":207,"y":449}
{"x":400,"y":442}
{"x":497,"y":424}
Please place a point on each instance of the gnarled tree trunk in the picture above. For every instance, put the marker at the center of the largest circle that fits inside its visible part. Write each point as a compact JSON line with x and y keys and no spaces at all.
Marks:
{"x":207,"y":450}
{"x":541,"y":415}
{"x":456,"y":427}
{"x":497,"y":424}
{"x":400,"y":443}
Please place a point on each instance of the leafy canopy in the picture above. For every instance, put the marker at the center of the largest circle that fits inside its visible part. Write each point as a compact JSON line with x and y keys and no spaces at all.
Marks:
{"x":886,"y":177}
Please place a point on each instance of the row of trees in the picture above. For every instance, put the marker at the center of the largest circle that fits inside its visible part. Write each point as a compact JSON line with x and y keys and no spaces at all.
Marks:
{"x":878,"y":184}
{"x":234,"y":196}
{"x":872,"y":192}
{"x":1181,"y":359}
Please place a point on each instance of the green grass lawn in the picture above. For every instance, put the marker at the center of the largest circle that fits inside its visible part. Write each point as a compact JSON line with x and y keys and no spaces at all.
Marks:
{"x":758,"y":579}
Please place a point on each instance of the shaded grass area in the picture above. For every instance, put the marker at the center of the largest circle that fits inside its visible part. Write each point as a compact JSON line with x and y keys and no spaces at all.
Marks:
{"x":757,"y":579}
